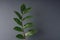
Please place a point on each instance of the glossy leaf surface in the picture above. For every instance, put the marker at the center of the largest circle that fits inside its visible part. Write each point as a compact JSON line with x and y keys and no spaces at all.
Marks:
{"x":18,"y":29}
{"x":30,"y":33}
{"x":23,"y":7}
{"x":18,"y":14}
{"x":17,"y":21}
{"x":28,"y":25}
{"x":27,"y":17}
{"x":20,"y":36}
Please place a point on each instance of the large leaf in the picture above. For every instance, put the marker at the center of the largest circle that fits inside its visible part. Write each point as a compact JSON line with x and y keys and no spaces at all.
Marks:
{"x":19,"y":15}
{"x":27,"y":17}
{"x":17,"y":21}
{"x":20,"y":36}
{"x":27,"y":10}
{"x":28,"y":25}
{"x":23,"y":7}
{"x":30,"y":33}
{"x":18,"y":29}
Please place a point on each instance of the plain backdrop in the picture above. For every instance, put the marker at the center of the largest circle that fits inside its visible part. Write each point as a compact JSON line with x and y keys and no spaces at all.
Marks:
{"x":46,"y":18}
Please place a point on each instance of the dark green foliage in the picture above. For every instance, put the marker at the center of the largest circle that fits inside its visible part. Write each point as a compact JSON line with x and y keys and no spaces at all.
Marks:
{"x":18,"y":29}
{"x":20,"y":36}
{"x":23,"y":7}
{"x":20,"y":20}
{"x":28,"y":25}
{"x":17,"y":21}
{"x":27,"y":10}
{"x":27,"y":17}
{"x":30,"y":33}
{"x":18,"y":14}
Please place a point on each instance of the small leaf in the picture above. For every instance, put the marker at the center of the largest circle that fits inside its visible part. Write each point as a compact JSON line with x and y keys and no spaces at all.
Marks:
{"x":17,"y":21}
{"x":19,"y":16}
{"x":28,"y":25}
{"x":27,"y":10}
{"x":27,"y":17}
{"x":18,"y":29}
{"x":23,"y":7}
{"x":30,"y":33}
{"x":20,"y":36}
{"x":32,"y":30}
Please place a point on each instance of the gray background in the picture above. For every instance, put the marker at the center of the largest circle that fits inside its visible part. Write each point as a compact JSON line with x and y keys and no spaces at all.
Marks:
{"x":46,"y":17}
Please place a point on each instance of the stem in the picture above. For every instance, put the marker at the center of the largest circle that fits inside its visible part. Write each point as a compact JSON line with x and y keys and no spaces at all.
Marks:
{"x":23,"y":28}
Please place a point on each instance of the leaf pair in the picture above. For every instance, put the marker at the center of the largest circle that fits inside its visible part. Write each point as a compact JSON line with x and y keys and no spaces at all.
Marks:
{"x":24,"y":10}
{"x":20,"y":17}
{"x":27,"y":25}
{"x":28,"y":34}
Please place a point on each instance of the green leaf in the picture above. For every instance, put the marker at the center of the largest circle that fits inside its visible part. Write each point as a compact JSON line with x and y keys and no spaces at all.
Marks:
{"x":28,"y":25}
{"x":19,"y":15}
{"x":27,"y":10}
{"x":27,"y":17}
{"x":18,"y":29}
{"x":20,"y":36}
{"x":30,"y":33}
{"x":17,"y":21}
{"x":23,"y":7}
